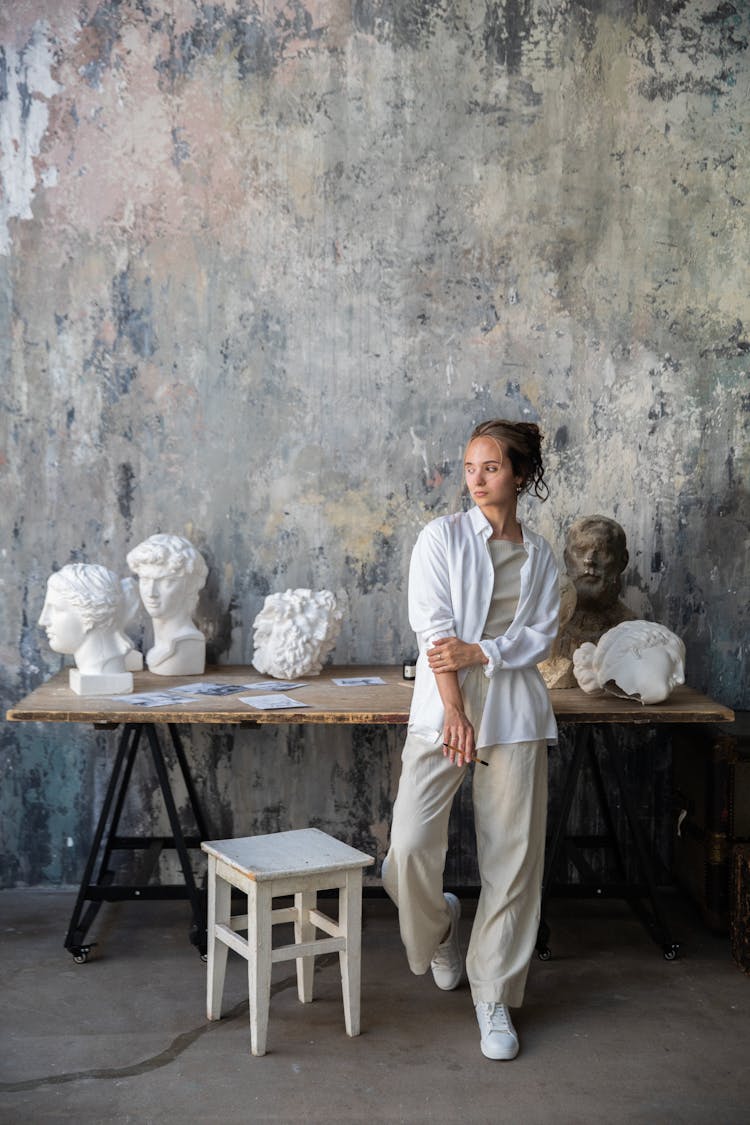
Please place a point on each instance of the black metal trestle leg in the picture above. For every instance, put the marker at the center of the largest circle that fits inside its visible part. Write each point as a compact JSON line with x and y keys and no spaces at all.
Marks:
{"x":100,"y":887}
{"x":75,"y":939}
{"x":659,"y":922}
{"x":197,"y":901}
{"x":555,"y":851}
{"x":195,"y":804}
{"x":561,"y":845}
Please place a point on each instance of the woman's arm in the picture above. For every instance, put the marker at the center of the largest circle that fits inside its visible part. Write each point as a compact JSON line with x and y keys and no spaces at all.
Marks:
{"x":449,"y":654}
{"x":430,"y":604}
{"x":431,"y":617}
{"x":458,"y":733}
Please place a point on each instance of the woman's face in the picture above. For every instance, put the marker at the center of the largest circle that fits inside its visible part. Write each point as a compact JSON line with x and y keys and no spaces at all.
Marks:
{"x":489,"y":474}
{"x":62,"y":623}
{"x":163,"y":595}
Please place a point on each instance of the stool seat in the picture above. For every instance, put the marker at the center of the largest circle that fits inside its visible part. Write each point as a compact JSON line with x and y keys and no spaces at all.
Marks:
{"x":298,"y":863}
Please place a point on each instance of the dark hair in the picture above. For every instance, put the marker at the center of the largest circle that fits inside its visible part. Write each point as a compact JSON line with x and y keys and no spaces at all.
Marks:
{"x":522,"y":441}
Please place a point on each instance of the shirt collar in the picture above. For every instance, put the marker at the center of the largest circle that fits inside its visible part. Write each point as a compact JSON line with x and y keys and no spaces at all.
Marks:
{"x":479,"y":522}
{"x":482,"y":526}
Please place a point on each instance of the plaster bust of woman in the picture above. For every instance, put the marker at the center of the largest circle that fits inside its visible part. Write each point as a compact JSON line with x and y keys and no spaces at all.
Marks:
{"x":171,"y":572}
{"x":638,"y":659}
{"x":83,"y":614}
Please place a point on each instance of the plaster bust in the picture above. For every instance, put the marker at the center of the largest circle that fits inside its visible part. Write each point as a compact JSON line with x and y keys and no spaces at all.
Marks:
{"x":83,"y":615}
{"x":171,"y":572}
{"x":637,"y":659}
{"x":595,"y":556}
{"x":557,"y":670}
{"x":294,"y":633}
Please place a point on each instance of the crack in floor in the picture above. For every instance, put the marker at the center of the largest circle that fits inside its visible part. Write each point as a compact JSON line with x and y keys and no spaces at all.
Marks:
{"x":177,"y":1047}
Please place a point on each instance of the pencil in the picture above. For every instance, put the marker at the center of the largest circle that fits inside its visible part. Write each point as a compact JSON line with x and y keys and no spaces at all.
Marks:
{"x":457,"y":751}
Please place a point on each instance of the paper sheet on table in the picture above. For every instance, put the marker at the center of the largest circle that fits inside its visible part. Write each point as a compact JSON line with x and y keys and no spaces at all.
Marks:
{"x":276,"y":685}
{"x":154,"y":698}
{"x":271,"y":702}
{"x":358,"y":681}
{"x":205,"y":687}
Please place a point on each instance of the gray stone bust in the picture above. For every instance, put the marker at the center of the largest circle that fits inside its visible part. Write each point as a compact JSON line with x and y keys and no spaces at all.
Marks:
{"x":595,"y":556}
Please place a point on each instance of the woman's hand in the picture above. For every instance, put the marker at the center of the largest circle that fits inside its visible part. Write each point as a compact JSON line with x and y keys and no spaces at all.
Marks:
{"x":449,"y":654}
{"x":458,"y":737}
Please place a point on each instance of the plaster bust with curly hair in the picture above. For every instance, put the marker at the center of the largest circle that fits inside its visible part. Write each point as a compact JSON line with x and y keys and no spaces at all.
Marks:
{"x":295,"y":632}
{"x":171,"y":572}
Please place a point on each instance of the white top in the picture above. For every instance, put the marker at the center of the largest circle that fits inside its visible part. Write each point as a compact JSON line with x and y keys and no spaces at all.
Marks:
{"x":451,"y":582}
{"x":507,"y":560}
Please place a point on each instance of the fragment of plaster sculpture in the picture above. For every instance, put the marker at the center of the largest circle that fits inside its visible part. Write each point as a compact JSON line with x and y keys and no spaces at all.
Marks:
{"x":171,"y":573}
{"x":595,"y":556}
{"x":557,"y":670}
{"x":83,"y":614}
{"x":131,"y":604}
{"x":636,"y":659}
{"x":295,"y":632}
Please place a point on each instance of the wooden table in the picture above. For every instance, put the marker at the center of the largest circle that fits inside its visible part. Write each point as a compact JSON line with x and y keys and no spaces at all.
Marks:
{"x":54,"y":702}
{"x":386,"y":704}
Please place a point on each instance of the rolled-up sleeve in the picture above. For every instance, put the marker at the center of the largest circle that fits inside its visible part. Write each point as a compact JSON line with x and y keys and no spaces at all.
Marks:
{"x":430,"y":607}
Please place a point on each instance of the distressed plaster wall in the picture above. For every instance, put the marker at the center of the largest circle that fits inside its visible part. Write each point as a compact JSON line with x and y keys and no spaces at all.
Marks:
{"x":263,"y":265}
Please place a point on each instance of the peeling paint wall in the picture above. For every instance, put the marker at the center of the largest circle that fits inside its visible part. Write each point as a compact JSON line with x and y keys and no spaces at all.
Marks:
{"x":264,"y":263}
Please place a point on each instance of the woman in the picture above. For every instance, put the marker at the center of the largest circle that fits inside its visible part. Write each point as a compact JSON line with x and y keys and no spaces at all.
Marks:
{"x":483,"y":601}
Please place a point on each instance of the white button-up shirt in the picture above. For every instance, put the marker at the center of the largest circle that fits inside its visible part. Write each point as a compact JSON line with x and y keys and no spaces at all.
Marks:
{"x":451,"y":580}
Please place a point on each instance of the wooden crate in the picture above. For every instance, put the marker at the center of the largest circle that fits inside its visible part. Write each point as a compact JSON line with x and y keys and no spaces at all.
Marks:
{"x":739,"y":926}
{"x":711,"y":780}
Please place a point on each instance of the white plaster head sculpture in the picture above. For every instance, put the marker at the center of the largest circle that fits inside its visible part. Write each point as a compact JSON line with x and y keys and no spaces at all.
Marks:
{"x":171,"y":573}
{"x":84,"y":612}
{"x":295,"y":632}
{"x":131,"y":606}
{"x":638,"y":659}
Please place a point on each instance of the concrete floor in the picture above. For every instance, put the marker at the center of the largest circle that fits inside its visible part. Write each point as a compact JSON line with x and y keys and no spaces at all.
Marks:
{"x":610,"y":1031}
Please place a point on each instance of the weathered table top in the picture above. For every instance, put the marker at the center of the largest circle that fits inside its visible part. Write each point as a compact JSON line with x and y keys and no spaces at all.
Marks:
{"x":386,"y":703}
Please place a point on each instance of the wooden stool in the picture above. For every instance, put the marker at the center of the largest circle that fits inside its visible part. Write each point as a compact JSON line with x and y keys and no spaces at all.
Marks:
{"x":263,"y":867}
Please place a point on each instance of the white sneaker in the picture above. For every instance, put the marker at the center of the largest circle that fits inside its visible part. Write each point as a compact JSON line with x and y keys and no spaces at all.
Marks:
{"x":499,"y":1039}
{"x":447,"y":965}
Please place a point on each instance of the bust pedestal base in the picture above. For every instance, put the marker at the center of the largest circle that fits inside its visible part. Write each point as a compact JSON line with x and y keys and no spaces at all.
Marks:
{"x":111,"y":683}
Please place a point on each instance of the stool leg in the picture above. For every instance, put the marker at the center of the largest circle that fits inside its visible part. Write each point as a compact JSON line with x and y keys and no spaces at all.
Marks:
{"x":219,"y":906}
{"x":350,"y":921}
{"x":259,"y":906}
{"x":304,"y":930}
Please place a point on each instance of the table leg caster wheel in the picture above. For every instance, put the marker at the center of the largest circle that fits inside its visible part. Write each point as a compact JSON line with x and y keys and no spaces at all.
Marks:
{"x":81,"y":954}
{"x":671,"y":952}
{"x":544,"y":954}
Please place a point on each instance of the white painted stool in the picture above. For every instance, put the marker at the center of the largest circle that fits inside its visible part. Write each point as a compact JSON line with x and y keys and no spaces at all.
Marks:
{"x":264,"y":867}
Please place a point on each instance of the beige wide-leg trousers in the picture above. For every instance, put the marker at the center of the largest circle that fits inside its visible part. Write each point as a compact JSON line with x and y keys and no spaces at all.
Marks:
{"x":510,"y":812}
